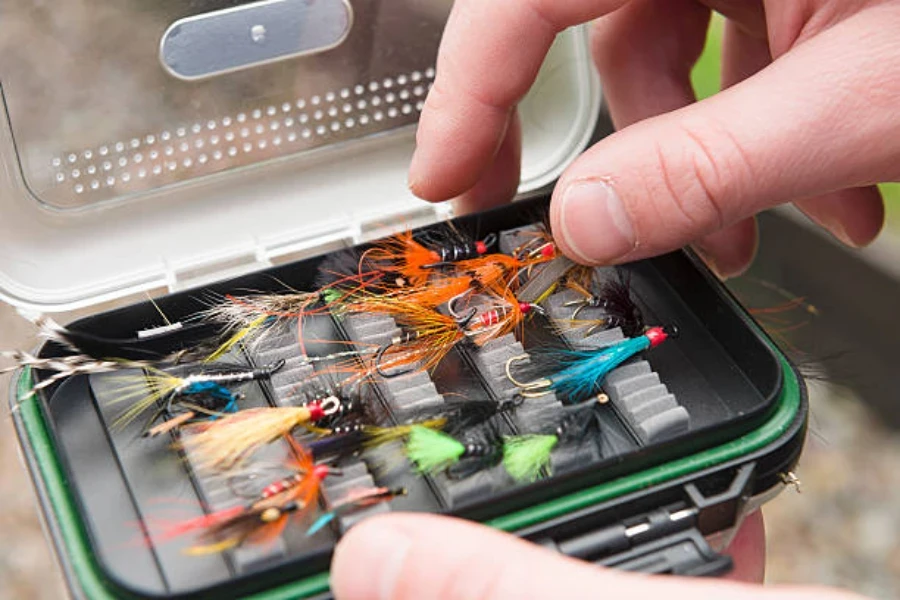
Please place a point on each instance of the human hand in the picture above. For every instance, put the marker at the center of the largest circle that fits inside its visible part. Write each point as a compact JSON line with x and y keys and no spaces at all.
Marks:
{"x":397,"y":557}
{"x":816,"y":126}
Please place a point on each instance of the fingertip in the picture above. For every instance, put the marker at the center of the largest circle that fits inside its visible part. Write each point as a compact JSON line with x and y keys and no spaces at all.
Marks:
{"x":729,"y":252}
{"x":368,"y":560}
{"x":591,"y":223}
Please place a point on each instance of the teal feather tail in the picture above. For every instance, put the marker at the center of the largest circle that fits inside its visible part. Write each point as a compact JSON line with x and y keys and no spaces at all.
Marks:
{"x":525,"y":455}
{"x":320,"y":523}
{"x":432,"y":450}
{"x":584,"y":370}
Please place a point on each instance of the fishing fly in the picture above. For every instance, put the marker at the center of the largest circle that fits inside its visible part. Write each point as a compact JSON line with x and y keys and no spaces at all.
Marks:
{"x":576,"y":373}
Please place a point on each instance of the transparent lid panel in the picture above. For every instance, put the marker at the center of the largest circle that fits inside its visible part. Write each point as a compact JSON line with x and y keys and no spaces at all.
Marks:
{"x":111,"y":99}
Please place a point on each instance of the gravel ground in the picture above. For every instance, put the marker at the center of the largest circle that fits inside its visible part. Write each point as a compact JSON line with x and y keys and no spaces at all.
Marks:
{"x":842,"y":530}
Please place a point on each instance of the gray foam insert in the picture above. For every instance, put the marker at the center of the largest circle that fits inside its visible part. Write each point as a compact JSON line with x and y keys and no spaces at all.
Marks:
{"x":600,"y":339}
{"x":272,"y":355}
{"x":629,"y":370}
{"x":635,"y":400}
{"x":665,"y":425}
{"x":653,"y":408}
{"x":620,"y":389}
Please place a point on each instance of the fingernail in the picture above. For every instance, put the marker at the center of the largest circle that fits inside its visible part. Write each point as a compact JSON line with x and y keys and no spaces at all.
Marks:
{"x":376,"y":560}
{"x":594,"y":222}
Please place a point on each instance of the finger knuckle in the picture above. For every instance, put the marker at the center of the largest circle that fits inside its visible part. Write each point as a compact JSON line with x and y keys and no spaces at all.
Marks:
{"x":701,"y":174}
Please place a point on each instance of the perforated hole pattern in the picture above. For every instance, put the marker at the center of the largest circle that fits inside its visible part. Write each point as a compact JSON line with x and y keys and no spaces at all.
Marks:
{"x":210,"y":145}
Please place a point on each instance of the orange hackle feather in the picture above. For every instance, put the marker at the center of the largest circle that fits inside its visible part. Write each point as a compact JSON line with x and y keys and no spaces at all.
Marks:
{"x":252,"y":527}
{"x":403,"y":255}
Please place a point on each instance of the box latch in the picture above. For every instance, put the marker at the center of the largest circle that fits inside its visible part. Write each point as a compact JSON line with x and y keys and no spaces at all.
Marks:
{"x":667,"y":540}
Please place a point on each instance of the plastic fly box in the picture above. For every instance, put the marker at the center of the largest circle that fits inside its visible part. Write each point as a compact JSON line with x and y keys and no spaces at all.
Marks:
{"x":217,"y":148}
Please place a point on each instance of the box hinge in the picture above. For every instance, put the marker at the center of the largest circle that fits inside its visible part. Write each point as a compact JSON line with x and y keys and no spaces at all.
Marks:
{"x":668,"y":540}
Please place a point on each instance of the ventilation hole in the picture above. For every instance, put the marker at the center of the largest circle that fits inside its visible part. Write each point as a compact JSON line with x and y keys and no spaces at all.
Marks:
{"x":60,"y":177}
{"x":91,"y":169}
{"x":387,"y":83}
{"x":257,"y":113}
{"x":95,"y":185}
{"x":76,"y":173}
{"x":142,"y":173}
{"x":107,"y":166}
{"x":318,"y":115}
{"x":226,"y":122}
{"x":289,"y":122}
{"x":103,"y":150}
{"x":273,"y":126}
{"x":333,"y":111}
{"x":187,"y":162}
{"x":202,"y":159}
{"x":197,"y":128}
{"x":276,"y":141}
{"x":123,"y":161}
{"x":376,"y":101}
{"x":315,"y":100}
{"x":135,"y":143}
{"x":373,"y":86}
{"x":406,"y":109}
{"x":402,"y":80}
{"x":138,"y":158}
{"x":429,"y":73}
{"x":88,"y":155}
{"x":416,"y":76}
{"x":304,"y":118}
{"x":184,"y":147}
{"x":211,"y":125}
{"x":79,"y":188}
{"x":150,"y":139}
{"x":110,"y":181}
{"x":306,"y":133}
{"x":241,"y":117}
{"x":126,"y":177}
{"x":359,"y":90}
{"x":271,"y":111}
{"x":180,"y":132}
{"x":214,"y":140}
{"x":72,"y":158}
{"x":229,"y":137}
{"x":232,"y":151}
{"x":154,"y":155}
{"x":364,"y":120}
{"x":320,"y":130}
{"x":392,"y":112}
{"x":292,"y":137}
{"x":260,"y":129}
{"x":261,"y":144}
{"x":169,"y":151}
{"x":199,"y":143}
{"x":217,"y":155}
{"x":361,"y":105}
{"x":171,"y":165}
{"x":389,"y":98}
{"x":286,"y":107}
{"x":329,"y":97}
{"x":335,"y":126}
{"x":378,"y":116}
{"x":164,"y":136}
{"x":56,"y":162}
{"x":301,"y":104}
{"x":404,"y":95}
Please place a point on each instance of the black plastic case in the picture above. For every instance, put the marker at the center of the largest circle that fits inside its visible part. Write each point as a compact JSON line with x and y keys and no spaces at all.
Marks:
{"x":635,"y":499}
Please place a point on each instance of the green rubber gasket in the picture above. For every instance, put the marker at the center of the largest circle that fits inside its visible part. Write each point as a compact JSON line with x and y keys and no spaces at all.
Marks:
{"x":74,"y":540}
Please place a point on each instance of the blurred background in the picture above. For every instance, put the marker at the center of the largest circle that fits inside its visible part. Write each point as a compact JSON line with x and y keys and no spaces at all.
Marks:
{"x":834,"y":310}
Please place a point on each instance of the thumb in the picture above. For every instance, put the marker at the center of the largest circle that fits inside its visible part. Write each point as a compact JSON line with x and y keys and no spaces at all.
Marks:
{"x":413,"y":557}
{"x":812,"y":122}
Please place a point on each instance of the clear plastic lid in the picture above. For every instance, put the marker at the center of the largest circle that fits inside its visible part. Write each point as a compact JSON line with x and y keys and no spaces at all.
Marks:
{"x":161,"y":144}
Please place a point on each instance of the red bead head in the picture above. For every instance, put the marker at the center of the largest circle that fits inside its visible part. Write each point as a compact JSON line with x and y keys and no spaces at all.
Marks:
{"x":656,"y":335}
{"x":320,"y":472}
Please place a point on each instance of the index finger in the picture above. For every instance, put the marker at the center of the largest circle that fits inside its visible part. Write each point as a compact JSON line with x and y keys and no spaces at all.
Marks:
{"x":489,"y":57}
